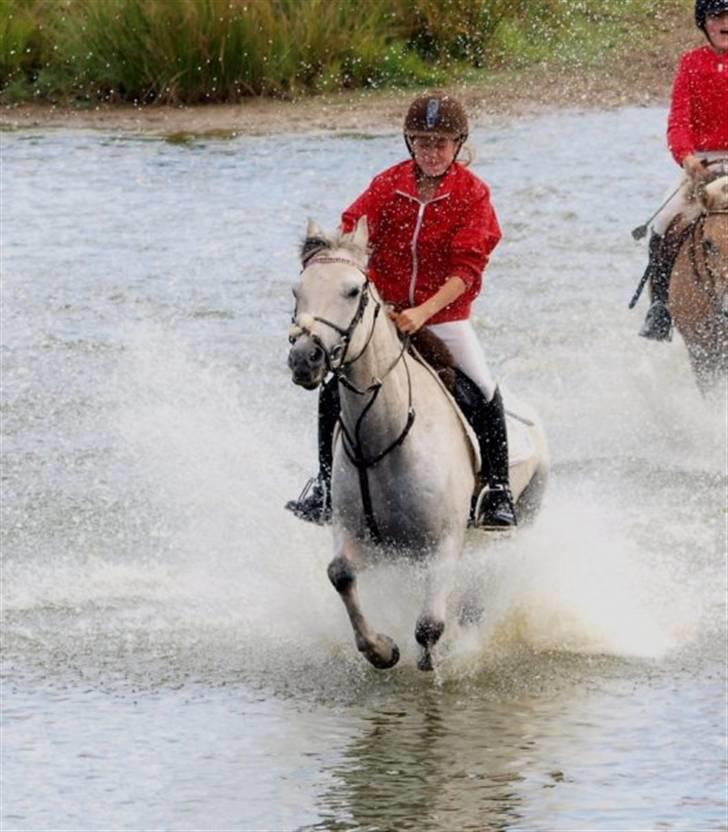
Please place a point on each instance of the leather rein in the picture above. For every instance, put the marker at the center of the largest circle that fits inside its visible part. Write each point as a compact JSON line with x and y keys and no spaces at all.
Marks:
{"x":338,"y":365}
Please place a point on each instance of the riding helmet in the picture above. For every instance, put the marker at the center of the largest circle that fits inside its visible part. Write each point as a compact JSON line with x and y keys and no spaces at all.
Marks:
{"x":705,"y":8}
{"x":436,"y":114}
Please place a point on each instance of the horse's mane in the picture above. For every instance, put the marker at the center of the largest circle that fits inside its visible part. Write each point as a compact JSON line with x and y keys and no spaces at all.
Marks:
{"x":709,"y":195}
{"x":713,"y":194}
{"x":313,"y":245}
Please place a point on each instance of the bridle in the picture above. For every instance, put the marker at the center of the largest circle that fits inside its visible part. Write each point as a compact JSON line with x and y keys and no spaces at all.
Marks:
{"x":338,"y":365}
{"x":336,"y":362}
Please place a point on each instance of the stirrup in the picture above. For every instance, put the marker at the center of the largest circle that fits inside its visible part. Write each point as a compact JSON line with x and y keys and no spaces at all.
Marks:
{"x":658,"y":323}
{"x":495,"y":509}
{"x":313,"y":503}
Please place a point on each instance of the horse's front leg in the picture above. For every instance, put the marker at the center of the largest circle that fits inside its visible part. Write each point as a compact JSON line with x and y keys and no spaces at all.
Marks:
{"x":438,"y":585}
{"x":379,"y":649}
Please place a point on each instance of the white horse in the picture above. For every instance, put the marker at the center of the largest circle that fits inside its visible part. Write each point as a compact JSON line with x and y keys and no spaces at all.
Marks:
{"x":405,"y":461}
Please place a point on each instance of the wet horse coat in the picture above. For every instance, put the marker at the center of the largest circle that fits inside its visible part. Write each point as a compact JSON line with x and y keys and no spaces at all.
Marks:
{"x":404,"y":462}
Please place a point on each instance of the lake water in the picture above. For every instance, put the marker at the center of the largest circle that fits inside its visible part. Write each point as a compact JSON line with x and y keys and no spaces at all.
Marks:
{"x":173,"y":654}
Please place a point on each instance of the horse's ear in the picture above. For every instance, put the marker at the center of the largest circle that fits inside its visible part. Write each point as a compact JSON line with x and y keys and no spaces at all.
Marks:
{"x":315,"y":241}
{"x":313,"y":229}
{"x":360,"y":235}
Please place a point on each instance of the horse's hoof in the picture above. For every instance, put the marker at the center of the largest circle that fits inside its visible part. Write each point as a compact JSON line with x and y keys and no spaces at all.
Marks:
{"x":425,"y":661}
{"x":383,"y":654}
{"x":428,"y":632}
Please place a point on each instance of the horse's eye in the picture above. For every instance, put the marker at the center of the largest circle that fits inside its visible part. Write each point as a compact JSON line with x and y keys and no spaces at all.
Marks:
{"x":353,"y":292}
{"x":710,"y":248}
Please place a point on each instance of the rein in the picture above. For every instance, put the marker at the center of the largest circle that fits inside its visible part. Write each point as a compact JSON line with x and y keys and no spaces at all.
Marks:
{"x":353,"y":447}
{"x":352,"y":444}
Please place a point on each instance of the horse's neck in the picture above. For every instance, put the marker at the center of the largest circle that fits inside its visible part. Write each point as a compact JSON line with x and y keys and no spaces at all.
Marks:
{"x":381,"y":361}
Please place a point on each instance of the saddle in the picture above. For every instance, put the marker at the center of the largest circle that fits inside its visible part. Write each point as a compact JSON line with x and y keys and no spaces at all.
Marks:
{"x":426,"y":345}
{"x":429,"y":347}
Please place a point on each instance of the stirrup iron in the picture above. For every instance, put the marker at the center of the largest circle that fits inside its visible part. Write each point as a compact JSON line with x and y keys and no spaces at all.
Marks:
{"x":494,"y":492}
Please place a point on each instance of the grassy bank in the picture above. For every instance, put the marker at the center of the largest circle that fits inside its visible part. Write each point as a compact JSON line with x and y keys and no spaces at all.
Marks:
{"x":201,"y":51}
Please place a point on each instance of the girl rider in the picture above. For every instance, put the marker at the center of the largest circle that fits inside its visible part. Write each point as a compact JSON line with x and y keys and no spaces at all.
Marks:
{"x":431,"y":231}
{"x":697,"y":132}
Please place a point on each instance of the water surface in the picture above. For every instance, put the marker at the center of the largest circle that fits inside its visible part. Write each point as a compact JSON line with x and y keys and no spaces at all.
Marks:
{"x":173,"y":656}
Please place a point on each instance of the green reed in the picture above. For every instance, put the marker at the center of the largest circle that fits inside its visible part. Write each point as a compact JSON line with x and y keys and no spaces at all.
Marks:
{"x":191,"y":51}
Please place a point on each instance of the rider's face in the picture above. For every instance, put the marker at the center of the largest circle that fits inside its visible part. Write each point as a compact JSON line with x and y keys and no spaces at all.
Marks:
{"x":716,"y":28}
{"x":434,"y":154}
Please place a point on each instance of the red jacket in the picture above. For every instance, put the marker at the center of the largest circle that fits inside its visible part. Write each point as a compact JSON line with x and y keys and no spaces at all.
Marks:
{"x":416,"y":246}
{"x":699,"y":110}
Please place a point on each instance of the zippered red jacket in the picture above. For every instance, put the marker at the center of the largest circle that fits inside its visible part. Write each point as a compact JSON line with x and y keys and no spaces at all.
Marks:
{"x":698,"y":117}
{"x":417,"y":246}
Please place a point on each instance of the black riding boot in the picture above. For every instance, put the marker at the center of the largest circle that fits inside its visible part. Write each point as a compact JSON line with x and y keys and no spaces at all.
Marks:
{"x":494,"y":506}
{"x":314,"y":502}
{"x":658,"y":322}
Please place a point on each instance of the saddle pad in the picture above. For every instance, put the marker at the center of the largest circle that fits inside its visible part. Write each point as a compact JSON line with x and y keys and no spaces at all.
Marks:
{"x":519,"y":421}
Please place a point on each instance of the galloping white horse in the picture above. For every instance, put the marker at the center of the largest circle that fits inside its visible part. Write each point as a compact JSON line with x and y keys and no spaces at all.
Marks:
{"x":404,"y":459}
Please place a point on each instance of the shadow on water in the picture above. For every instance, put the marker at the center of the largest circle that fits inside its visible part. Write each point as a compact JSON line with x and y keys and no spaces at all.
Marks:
{"x":427,"y":762}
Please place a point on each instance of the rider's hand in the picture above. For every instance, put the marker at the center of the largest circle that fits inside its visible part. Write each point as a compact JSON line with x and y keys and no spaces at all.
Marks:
{"x":694,"y":167}
{"x":410,"y":320}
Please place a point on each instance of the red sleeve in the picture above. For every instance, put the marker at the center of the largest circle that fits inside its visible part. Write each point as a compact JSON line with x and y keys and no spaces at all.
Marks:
{"x":679,"y":130}
{"x":474,"y":241}
{"x":366,"y":204}
{"x":354,"y":212}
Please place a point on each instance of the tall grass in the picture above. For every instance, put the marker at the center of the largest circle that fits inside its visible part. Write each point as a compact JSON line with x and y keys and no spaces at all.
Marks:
{"x":191,"y":51}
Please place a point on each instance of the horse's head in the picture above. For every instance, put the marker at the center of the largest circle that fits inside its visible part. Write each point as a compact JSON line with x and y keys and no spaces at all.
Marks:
{"x":713,"y":194}
{"x":332,"y":296}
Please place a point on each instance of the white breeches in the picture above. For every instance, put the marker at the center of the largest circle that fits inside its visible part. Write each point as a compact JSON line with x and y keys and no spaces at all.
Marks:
{"x":460,"y":338}
{"x":680,"y":201}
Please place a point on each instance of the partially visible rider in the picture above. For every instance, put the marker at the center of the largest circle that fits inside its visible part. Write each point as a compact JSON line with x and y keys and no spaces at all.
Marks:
{"x":697,"y":132}
{"x":432,"y":228}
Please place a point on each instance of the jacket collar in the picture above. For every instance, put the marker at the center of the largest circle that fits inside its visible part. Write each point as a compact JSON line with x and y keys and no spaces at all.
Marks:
{"x":407,"y":183}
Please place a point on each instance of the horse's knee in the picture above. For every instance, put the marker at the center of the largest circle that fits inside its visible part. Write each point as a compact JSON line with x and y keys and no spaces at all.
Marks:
{"x":428,"y":631}
{"x":341,"y":574}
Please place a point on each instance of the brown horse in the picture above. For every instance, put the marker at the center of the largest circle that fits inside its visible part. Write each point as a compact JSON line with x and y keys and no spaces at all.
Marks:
{"x":698,"y":299}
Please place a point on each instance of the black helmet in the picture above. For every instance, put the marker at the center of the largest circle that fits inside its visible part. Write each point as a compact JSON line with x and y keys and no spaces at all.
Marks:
{"x":436,"y":114}
{"x":705,"y":8}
